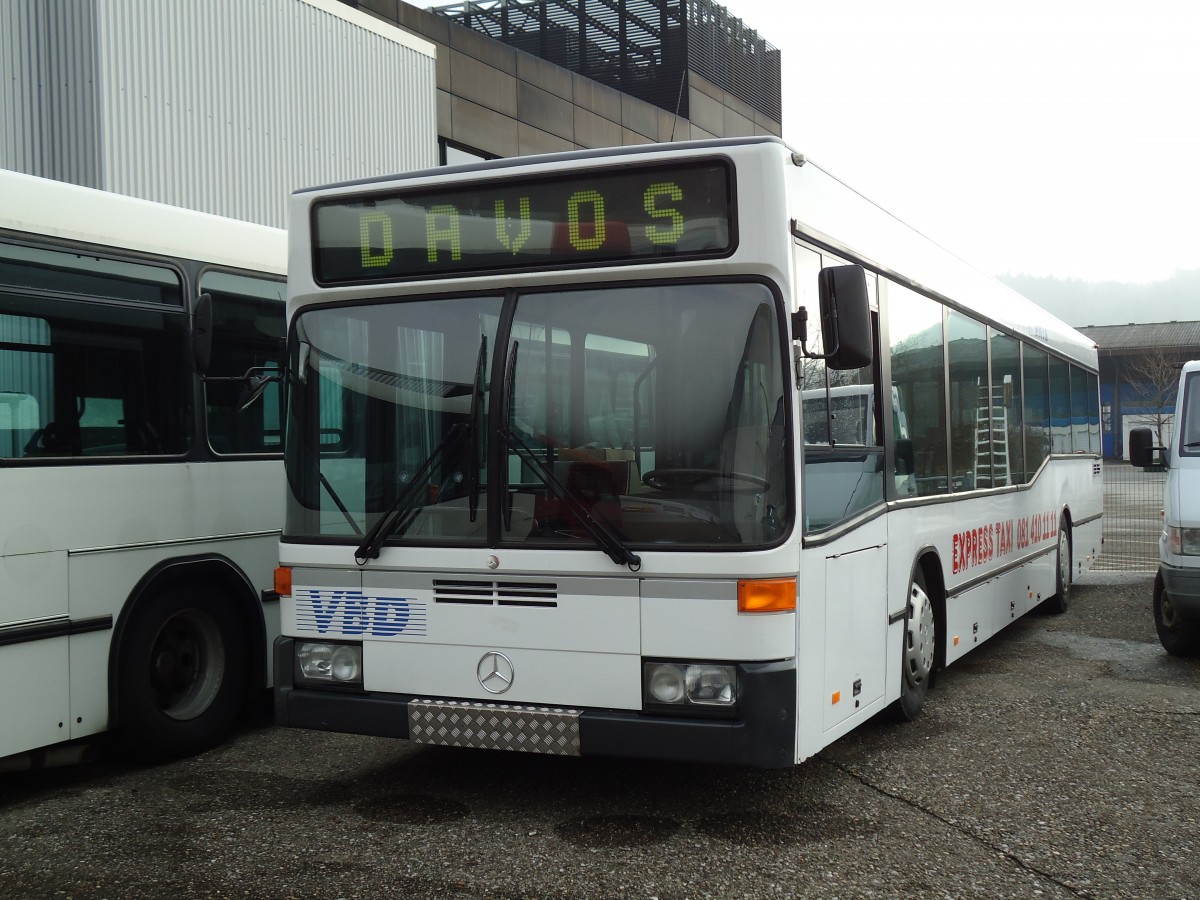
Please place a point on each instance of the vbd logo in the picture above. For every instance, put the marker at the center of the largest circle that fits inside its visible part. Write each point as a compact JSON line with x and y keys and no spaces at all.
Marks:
{"x":346,"y":612}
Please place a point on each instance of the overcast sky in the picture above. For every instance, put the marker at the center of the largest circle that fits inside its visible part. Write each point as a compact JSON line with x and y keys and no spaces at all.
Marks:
{"x":1048,"y":137}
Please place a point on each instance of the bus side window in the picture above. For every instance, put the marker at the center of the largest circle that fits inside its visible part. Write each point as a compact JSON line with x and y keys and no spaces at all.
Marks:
{"x":106,"y":377}
{"x":82,"y":386}
{"x":1036,"y":409}
{"x":974,"y":463}
{"x":26,"y":384}
{"x":19,"y":420}
{"x":1008,"y":447}
{"x":918,"y":388}
{"x":843,"y":452}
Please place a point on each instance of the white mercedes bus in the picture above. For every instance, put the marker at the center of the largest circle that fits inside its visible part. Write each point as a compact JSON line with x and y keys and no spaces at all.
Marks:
{"x":567,"y":470}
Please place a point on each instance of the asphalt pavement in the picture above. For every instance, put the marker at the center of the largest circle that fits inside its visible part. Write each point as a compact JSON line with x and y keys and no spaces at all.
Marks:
{"x":1060,"y":759}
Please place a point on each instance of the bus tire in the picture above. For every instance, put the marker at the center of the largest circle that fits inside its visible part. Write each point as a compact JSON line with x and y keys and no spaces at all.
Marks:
{"x":1062,"y":574}
{"x":919,"y":649}
{"x":181,"y":673}
{"x":1178,"y":637}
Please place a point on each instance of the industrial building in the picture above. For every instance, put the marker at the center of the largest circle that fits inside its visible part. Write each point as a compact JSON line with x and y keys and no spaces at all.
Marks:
{"x":227,"y":106}
{"x":1139,"y":371}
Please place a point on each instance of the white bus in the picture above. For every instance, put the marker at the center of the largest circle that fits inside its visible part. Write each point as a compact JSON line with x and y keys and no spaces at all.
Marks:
{"x":141,"y":510}
{"x":564,"y":475}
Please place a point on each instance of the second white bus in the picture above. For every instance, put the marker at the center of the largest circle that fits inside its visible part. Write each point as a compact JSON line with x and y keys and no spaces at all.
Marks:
{"x":139,"y":508}
{"x":579,"y":458}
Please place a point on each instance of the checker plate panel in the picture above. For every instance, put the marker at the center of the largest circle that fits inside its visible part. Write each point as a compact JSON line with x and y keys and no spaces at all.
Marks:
{"x":494,"y":726}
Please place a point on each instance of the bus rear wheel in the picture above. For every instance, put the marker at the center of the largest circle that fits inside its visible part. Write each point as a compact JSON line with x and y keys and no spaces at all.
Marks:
{"x":181,"y":673}
{"x":1178,"y":637}
{"x":1062,"y":578}
{"x":918,"y":651}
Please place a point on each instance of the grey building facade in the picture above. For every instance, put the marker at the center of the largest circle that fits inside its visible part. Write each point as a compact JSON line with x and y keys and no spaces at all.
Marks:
{"x":500,"y":99}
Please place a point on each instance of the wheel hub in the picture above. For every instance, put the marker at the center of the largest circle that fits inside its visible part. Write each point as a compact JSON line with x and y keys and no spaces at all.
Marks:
{"x":919,"y":643}
{"x":186,"y":666}
{"x":1167,"y":610}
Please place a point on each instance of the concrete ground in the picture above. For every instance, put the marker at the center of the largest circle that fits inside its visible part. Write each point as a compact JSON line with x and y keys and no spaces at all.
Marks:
{"x":1060,"y":759}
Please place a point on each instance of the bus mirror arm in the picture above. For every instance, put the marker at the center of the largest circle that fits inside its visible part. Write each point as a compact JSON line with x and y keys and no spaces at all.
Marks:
{"x":800,"y":330}
{"x":845,"y":319}
{"x":253,"y":382}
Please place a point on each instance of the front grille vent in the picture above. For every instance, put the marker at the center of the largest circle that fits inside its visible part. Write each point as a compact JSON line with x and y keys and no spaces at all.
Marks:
{"x":495,"y":593}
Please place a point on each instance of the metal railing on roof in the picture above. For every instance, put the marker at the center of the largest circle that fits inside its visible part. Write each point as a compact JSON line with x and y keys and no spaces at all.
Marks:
{"x":643,"y":48}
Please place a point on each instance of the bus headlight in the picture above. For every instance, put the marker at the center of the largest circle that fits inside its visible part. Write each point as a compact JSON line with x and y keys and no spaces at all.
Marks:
{"x":1184,"y":541}
{"x":665,"y":684}
{"x":694,"y":687}
{"x":329,"y":663}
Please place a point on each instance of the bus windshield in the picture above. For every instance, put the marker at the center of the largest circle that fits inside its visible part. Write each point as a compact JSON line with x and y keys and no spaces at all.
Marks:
{"x":656,"y":410}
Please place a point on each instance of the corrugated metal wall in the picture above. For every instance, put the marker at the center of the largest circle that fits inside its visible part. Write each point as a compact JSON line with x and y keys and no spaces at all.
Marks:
{"x":225,"y":106}
{"x":47,"y":111}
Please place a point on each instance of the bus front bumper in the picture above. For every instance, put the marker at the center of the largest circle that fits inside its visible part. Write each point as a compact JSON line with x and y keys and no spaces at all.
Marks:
{"x":763,"y":736}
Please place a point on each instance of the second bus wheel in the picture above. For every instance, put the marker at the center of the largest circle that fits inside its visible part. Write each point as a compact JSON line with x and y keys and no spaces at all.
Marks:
{"x":181,"y":674}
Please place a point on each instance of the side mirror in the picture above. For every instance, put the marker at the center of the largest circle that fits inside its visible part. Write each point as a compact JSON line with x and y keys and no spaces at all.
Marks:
{"x":254,"y":383}
{"x":1141,"y":448}
{"x":202,"y":320}
{"x":252,"y":388}
{"x":845,"y":319}
{"x":906,"y":459}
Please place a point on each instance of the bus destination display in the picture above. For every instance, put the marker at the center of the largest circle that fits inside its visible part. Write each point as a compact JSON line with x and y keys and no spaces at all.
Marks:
{"x":625,"y":215}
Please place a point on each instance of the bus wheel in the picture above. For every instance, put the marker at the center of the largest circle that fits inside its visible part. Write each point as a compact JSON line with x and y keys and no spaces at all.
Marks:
{"x":1062,"y":579}
{"x":920,"y":643}
{"x":1178,"y":637}
{"x":181,"y":673}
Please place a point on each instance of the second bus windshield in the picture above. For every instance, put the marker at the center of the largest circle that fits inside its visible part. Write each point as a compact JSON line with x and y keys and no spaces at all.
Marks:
{"x":658,"y":410}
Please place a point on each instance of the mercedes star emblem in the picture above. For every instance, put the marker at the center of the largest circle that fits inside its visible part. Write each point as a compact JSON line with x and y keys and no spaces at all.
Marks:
{"x":495,"y":671}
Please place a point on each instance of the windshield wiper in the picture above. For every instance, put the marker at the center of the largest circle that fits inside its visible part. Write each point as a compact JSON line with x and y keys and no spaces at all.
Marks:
{"x":392,"y":521}
{"x":1190,"y":444}
{"x":601,"y":533}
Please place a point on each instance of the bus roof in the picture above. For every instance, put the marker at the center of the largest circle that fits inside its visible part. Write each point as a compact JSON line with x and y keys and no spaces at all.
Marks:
{"x":834,"y":215}
{"x":71,"y":212}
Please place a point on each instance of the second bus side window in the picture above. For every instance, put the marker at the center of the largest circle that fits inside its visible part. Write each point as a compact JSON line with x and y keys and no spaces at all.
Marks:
{"x":92,"y":357}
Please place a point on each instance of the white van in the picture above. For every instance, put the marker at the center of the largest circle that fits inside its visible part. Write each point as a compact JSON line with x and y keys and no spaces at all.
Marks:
{"x":1177,"y":587}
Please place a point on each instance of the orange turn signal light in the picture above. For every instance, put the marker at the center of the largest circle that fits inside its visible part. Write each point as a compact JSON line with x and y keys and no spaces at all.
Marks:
{"x":767,"y":595}
{"x":283,"y":581}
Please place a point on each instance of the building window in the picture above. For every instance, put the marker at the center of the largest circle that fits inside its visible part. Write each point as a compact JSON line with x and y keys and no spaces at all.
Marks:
{"x":452,"y":154}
